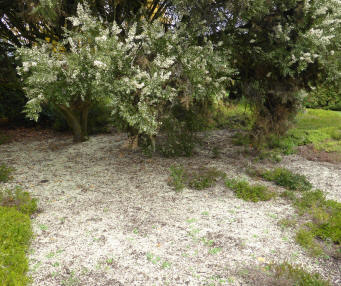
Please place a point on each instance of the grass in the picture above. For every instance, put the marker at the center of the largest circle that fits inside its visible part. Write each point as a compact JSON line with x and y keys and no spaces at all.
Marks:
{"x":321,"y":128}
{"x":287,"y":179}
{"x":198,"y":179}
{"x":5,"y":173}
{"x":254,"y":193}
{"x":284,"y":274}
{"x":15,"y":234}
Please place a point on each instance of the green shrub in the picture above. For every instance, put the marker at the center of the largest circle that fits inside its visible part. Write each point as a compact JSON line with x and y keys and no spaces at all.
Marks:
{"x":180,"y":139}
{"x":247,"y":192}
{"x":204,"y":178}
{"x":177,"y":178}
{"x":287,"y":179}
{"x":324,"y":97}
{"x":199,"y":179}
{"x":15,"y":235}
{"x":306,"y":239}
{"x":5,"y":173}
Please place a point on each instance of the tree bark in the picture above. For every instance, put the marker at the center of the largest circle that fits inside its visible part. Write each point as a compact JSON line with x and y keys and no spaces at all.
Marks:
{"x":75,"y":123}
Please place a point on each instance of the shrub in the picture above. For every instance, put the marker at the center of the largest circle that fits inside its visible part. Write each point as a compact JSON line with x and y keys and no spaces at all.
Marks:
{"x":199,"y":179}
{"x":15,"y":234}
{"x":247,"y":192}
{"x":5,"y":173}
{"x":287,"y":179}
{"x":325,"y":97}
{"x":177,"y":177}
{"x":18,"y":199}
{"x":306,"y":239}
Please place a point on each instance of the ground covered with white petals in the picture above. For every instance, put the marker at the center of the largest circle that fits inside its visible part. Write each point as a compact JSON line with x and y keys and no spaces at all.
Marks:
{"x":108,"y":217}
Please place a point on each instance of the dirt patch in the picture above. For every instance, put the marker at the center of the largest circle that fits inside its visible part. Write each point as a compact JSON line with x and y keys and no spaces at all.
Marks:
{"x":312,"y":154}
{"x":110,"y":218}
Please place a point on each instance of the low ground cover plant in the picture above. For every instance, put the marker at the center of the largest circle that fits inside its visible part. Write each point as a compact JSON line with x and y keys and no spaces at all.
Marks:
{"x":19,"y":199}
{"x":247,"y":192}
{"x":199,"y":179}
{"x":5,"y":173}
{"x":284,"y":274}
{"x":287,"y":179}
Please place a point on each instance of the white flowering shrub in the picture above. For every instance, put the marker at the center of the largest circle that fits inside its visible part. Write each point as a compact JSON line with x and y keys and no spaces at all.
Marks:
{"x":141,"y":70}
{"x":282,"y":48}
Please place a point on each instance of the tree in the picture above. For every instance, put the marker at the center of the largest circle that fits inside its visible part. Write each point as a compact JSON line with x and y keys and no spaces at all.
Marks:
{"x":141,"y":72}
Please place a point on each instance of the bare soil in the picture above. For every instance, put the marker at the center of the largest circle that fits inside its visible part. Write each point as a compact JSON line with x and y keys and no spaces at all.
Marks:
{"x":108,"y":217}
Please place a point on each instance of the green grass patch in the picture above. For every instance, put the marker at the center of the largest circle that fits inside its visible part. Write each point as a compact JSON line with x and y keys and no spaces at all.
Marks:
{"x":284,"y":274}
{"x":5,"y":173}
{"x":16,"y":206}
{"x":199,"y":179}
{"x":287,"y":179}
{"x":322,"y":128}
{"x":254,"y":193}
{"x":15,"y":235}
{"x":19,"y":199}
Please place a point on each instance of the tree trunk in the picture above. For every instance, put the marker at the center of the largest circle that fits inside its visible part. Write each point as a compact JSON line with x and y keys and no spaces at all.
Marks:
{"x":75,"y":123}
{"x":84,"y":121}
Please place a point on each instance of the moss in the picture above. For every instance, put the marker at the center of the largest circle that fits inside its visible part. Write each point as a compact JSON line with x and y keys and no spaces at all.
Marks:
{"x":287,"y":179}
{"x":15,"y":234}
{"x":247,"y":192}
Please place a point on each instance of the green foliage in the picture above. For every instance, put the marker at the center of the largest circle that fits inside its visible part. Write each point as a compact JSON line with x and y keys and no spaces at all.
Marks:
{"x":180,"y":140}
{"x":295,"y":275}
{"x":19,"y":200}
{"x":204,"y":178}
{"x":4,"y":139}
{"x":306,"y":239}
{"x":5,"y":173}
{"x":177,"y":178}
{"x":287,"y":179}
{"x":325,"y":97}
{"x":321,"y":128}
{"x":247,"y":192}
{"x":199,"y":179}
{"x":15,"y":234}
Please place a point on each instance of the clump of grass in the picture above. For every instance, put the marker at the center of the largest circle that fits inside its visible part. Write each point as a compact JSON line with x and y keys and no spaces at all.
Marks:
{"x":199,"y":179}
{"x":4,"y":139}
{"x":19,"y":199}
{"x":15,"y":234}
{"x":5,"y":173}
{"x":247,"y":192}
{"x":324,"y":224}
{"x":306,"y":239}
{"x":286,"y":178}
{"x":177,"y":178}
{"x":284,"y":274}
{"x":287,"y":222}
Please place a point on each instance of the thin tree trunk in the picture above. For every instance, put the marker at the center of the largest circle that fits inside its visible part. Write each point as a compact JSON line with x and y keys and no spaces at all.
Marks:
{"x":74,"y":123}
{"x":84,"y":121}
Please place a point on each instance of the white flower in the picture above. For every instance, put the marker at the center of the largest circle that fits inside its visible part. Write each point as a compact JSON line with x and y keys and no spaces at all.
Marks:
{"x":99,"y":64}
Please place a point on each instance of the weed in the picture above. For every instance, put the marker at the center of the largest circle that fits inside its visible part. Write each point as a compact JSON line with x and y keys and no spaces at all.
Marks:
{"x":199,"y":179}
{"x":283,"y":274}
{"x":286,"y":223}
{"x":5,"y":173}
{"x":214,"y":250}
{"x":15,"y":234}
{"x":306,"y":239}
{"x":177,"y":178}
{"x":285,"y":178}
{"x":204,"y":178}
{"x":4,"y":139}
{"x":19,"y":199}
{"x":247,"y":192}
